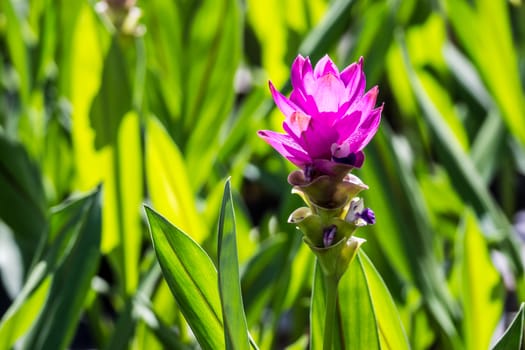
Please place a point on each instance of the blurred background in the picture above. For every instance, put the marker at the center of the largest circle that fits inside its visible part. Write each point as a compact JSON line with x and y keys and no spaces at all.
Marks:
{"x":107,"y":106}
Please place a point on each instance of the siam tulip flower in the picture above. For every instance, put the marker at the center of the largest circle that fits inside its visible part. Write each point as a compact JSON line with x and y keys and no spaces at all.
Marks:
{"x":329,"y":118}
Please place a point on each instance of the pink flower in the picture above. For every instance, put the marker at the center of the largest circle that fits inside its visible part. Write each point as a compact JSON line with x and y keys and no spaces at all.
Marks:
{"x":329,"y":118}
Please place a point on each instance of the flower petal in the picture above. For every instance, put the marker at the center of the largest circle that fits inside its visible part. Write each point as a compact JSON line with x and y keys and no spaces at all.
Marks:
{"x":329,"y":93}
{"x":367,"y":129}
{"x":354,"y":79}
{"x":297,"y":123}
{"x":286,"y":146}
{"x":285,"y":105}
{"x":325,"y":66}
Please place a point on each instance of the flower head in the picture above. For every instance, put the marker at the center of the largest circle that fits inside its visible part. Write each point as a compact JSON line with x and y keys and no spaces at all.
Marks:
{"x":329,"y":118}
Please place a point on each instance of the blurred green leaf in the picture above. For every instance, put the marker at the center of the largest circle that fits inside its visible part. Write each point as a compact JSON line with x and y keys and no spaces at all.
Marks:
{"x":513,"y":337}
{"x":484,"y":30}
{"x":235,"y":329}
{"x":22,"y":200}
{"x":169,"y":182}
{"x":114,"y":97}
{"x":464,"y":175}
{"x":405,"y":227}
{"x":212,"y":59}
{"x":192,"y":278}
{"x":23,"y":311}
{"x":17,"y":45}
{"x":481,"y":287}
{"x":259,"y":275}
{"x":71,"y":263}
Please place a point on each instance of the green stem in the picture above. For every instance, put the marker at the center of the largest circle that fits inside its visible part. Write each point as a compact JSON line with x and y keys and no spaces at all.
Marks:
{"x":331,"y":283}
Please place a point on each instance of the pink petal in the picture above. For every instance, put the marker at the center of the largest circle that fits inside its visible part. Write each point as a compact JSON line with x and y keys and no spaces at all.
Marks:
{"x":367,"y":102}
{"x":325,"y":66}
{"x":359,"y":159}
{"x":318,"y":139}
{"x":285,"y":105}
{"x":305,"y":102}
{"x":366,"y":130}
{"x":328,"y":93}
{"x":354,"y":79}
{"x":347,"y":126}
{"x":286,"y":146}
{"x":297,"y":71}
{"x":297,"y":123}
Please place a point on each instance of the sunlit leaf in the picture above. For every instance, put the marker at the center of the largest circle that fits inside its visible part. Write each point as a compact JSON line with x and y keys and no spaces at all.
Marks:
{"x":236,"y":332}
{"x":71,"y":264}
{"x":513,"y":337}
{"x":22,"y":201}
{"x":192,"y":278}
{"x":168,"y":181}
{"x":367,"y":316}
{"x":481,"y":287}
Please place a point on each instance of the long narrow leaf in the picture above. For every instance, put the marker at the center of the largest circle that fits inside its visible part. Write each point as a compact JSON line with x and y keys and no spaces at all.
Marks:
{"x":513,"y":337}
{"x":235,"y":328}
{"x":72,"y":263}
{"x":192,"y":278}
{"x":367,"y":315}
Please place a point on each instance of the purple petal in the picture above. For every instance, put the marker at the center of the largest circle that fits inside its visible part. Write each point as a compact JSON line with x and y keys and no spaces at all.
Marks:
{"x":347,"y":126}
{"x":285,"y":105}
{"x":305,"y":102}
{"x":367,"y":102}
{"x":368,"y":216}
{"x":302,"y":77}
{"x":297,"y":123}
{"x":325,"y":66}
{"x":354,"y":79}
{"x":359,"y":159}
{"x":318,"y":139}
{"x":286,"y":146}
{"x":297,"y":71}
{"x":368,"y":128}
{"x":328,"y":93}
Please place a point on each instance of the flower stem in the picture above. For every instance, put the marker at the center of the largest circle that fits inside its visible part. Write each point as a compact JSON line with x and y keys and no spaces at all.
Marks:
{"x":331,"y":283}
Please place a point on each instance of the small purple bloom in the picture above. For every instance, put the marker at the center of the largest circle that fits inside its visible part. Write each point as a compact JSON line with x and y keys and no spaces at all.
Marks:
{"x":358,"y":214}
{"x":329,"y":235}
{"x":368,"y":215}
{"x":328,"y":116}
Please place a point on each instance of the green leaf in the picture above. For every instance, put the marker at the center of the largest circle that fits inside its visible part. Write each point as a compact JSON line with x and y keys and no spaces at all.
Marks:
{"x":358,"y":318}
{"x":463,"y":173}
{"x":71,"y":263}
{"x":513,"y":337}
{"x":367,"y":315}
{"x":16,"y":44}
{"x":482,"y":292}
{"x":192,"y":278}
{"x":404,"y":233}
{"x":208,"y":91}
{"x":114,"y":98}
{"x":235,"y":328}
{"x":22,"y":200}
{"x":168,"y":181}
{"x":484,"y":29}
{"x":259,"y":276}
{"x":23,"y":312}
{"x":392,"y":334}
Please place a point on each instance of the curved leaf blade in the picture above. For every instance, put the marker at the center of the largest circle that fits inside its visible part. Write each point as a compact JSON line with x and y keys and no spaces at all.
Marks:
{"x":367,"y":315}
{"x":513,"y":337}
{"x":235,"y":328}
{"x":391,"y":331}
{"x":71,"y":264}
{"x":192,"y":279}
